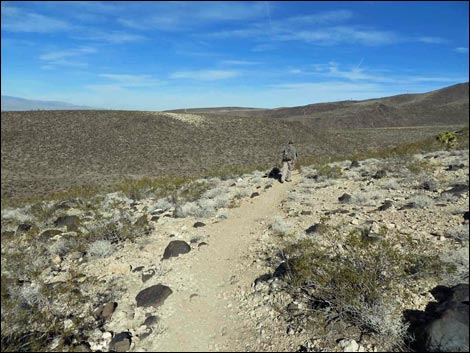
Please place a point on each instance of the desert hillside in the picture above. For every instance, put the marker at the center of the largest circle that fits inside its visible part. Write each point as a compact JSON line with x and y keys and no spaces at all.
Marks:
{"x":441,"y":107}
{"x":361,"y":255}
{"x":51,"y":151}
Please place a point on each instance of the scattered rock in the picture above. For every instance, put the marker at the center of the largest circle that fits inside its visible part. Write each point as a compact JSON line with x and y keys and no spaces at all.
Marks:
{"x":317,"y":228}
{"x":82,"y":347}
{"x":380,"y":174}
{"x":147,"y":275}
{"x":141,"y":221}
{"x":306,"y":213}
{"x":153,"y":296}
{"x":23,"y":228}
{"x":176,"y":248}
{"x":203,"y":243}
{"x":349,"y":345}
{"x":457,"y":190}
{"x":281,"y":270}
{"x":71,"y":222}
{"x":151,"y":320}
{"x":198,"y":225}
{"x":154,"y":218}
{"x":121,"y":342}
{"x":254,"y":194}
{"x":443,"y":326}
{"x":275,"y":173}
{"x":354,"y":164}
{"x":344,"y":198}
{"x":386,"y":205}
{"x":138,"y":269}
{"x":108,"y":310}
{"x":268,"y":186}
{"x":454,"y":167}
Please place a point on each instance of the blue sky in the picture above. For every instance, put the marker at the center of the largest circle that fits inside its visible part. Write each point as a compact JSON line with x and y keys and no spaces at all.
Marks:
{"x":167,"y":55}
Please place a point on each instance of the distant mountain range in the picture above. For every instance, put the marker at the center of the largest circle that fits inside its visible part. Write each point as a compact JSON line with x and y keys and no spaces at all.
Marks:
{"x":21,"y":104}
{"x":449,"y":105}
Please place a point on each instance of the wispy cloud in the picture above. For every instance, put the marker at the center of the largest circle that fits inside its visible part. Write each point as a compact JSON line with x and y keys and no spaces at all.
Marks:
{"x":240,"y":62}
{"x":357,"y":74}
{"x":68,"y":57}
{"x":124,"y":80}
{"x":183,"y":15}
{"x":432,"y":40}
{"x":463,"y":50}
{"x":205,"y":75}
{"x":114,"y":37}
{"x":17,"y":20}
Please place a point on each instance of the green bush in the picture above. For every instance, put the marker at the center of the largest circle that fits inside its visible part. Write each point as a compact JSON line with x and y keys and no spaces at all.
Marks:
{"x":448,"y":139}
{"x":359,"y":278}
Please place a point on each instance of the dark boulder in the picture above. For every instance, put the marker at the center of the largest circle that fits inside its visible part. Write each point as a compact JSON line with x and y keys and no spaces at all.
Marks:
{"x":380,"y":174}
{"x":275,"y":173}
{"x":176,"y":248}
{"x":386,"y":205}
{"x":317,"y":228}
{"x":153,"y":296}
{"x":254,"y":194}
{"x":121,"y":342}
{"x":354,"y":164}
{"x":198,"y":225}
{"x":344,"y":198}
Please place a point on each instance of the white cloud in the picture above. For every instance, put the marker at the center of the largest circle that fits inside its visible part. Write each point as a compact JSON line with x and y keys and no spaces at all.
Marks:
{"x":124,"y":80}
{"x":181,"y":15}
{"x":204,"y":75}
{"x":68,"y":57}
{"x":114,"y":37}
{"x":17,"y":20}
{"x":463,"y":50}
{"x":240,"y":62}
{"x":432,"y":40}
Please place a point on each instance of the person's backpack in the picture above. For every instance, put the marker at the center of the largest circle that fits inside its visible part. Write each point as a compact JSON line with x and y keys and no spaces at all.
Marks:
{"x":288,"y":153}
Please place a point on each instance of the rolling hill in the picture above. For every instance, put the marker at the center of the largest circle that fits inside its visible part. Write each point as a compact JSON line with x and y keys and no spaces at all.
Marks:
{"x":21,"y":104}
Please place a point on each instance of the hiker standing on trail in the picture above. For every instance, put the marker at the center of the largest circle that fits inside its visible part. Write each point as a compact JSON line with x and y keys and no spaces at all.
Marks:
{"x":289,"y":157}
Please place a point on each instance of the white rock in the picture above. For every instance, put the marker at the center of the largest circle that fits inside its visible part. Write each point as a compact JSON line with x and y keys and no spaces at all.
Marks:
{"x":349,"y":345}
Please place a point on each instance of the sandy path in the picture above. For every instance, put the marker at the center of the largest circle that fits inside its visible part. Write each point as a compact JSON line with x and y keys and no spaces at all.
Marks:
{"x":202,"y":313}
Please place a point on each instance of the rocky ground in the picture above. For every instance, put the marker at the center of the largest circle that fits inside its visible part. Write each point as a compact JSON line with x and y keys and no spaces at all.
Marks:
{"x":209,"y":274}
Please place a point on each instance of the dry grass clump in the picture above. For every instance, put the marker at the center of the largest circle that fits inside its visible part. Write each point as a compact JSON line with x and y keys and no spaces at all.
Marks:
{"x":421,"y":201}
{"x":390,"y":184}
{"x":460,"y":232}
{"x":101,"y":248}
{"x":280,"y":227}
{"x":366,"y":197}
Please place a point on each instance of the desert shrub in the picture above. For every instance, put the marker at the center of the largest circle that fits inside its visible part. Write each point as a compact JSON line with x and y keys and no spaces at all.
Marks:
{"x":421,"y":201}
{"x":419,"y":166}
{"x":358,"y":279}
{"x":448,"y":139}
{"x":280,"y":227}
{"x":390,"y":184}
{"x":101,"y":248}
{"x":328,"y":171}
{"x":365,"y":197}
{"x":17,"y":214}
{"x":60,"y":247}
{"x":428,"y":182}
{"x":161,"y":204}
{"x":460,"y":232}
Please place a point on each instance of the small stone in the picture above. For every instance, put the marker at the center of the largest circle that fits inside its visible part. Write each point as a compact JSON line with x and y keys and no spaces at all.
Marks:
{"x":199,"y":225}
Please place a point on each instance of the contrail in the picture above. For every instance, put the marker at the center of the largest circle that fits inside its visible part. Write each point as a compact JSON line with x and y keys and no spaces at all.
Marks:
{"x":357,"y":67}
{"x":269,"y":16}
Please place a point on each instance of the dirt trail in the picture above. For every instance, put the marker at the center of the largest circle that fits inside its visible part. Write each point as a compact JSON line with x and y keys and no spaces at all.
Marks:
{"x":203,"y":314}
